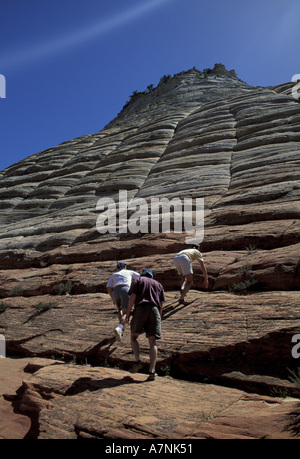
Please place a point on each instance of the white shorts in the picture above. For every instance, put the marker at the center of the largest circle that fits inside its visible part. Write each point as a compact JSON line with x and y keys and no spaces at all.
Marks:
{"x":183,"y":264}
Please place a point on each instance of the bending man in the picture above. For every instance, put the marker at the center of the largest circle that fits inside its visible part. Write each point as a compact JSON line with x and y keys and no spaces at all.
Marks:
{"x":183,"y":263}
{"x":118,"y":286}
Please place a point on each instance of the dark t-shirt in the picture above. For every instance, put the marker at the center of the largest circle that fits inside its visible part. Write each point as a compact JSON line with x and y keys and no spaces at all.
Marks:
{"x":147,"y":291}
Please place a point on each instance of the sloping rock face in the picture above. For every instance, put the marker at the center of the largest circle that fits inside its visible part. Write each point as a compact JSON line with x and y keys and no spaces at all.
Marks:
{"x":197,"y":135}
{"x":52,"y":400}
{"x":90,"y":403}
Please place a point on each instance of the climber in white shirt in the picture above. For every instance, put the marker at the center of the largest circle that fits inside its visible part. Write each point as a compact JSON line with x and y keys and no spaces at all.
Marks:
{"x":118,"y":286}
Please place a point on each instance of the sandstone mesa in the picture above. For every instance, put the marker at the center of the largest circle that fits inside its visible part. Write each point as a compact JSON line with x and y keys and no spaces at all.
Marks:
{"x":196,"y":135}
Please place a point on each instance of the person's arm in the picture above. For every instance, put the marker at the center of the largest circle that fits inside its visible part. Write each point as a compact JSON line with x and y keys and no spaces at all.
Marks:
{"x":162,"y":300}
{"x":132,"y":299}
{"x":161,"y":308}
{"x":204,"y":271}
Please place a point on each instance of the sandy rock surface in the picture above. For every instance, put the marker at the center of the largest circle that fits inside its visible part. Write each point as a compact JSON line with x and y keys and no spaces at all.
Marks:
{"x":62,"y":401}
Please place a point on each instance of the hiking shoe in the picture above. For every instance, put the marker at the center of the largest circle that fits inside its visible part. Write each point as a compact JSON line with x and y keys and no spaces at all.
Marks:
{"x":151,"y":376}
{"x":183,"y":302}
{"x":118,"y":334}
{"x":136,"y":367}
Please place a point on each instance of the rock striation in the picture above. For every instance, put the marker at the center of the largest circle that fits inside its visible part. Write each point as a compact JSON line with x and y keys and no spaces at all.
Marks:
{"x":61,"y":401}
{"x":196,"y":135}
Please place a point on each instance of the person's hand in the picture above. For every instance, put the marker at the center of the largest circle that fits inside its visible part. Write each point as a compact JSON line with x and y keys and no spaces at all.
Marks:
{"x":205,"y":283}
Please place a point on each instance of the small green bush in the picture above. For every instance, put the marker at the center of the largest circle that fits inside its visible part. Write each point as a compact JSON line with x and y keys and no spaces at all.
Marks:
{"x":295,"y":377}
{"x":17,"y":290}
{"x":244,"y":285}
{"x":63,"y":289}
{"x":41,"y":306}
{"x":4,"y":306}
{"x":245,"y":269}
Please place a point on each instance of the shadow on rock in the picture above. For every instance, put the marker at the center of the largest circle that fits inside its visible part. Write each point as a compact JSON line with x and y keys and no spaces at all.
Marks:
{"x":293,"y":424}
{"x":92,"y":385}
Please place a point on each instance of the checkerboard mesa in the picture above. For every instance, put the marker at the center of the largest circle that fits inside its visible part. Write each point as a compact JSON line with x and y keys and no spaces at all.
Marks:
{"x":196,"y":135}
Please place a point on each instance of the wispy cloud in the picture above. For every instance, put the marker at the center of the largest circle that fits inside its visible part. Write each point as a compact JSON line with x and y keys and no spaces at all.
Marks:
{"x":78,"y":37}
{"x":287,"y":31}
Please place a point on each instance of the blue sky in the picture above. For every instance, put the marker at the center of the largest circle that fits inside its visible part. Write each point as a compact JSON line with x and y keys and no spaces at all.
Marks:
{"x":71,"y":65}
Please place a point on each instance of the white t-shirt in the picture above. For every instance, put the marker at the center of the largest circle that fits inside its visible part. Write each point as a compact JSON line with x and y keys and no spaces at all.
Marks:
{"x":123,"y":277}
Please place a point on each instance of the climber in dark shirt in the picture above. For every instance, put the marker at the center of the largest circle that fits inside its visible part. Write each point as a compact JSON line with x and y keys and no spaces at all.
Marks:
{"x":148,"y":296}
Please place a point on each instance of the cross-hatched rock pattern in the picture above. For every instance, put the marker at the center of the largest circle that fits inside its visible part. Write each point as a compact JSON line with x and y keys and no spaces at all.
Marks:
{"x":212,"y":137}
{"x":196,"y":135}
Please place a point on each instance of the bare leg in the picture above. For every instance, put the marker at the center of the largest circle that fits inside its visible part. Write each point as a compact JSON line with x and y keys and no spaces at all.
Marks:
{"x":135,"y":346}
{"x":188,"y":282}
{"x":122,"y":316}
{"x":152,"y":353}
{"x":136,"y":350}
{"x":119,"y":330}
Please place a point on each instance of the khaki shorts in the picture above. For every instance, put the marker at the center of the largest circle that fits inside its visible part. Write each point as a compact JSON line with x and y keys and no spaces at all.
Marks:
{"x":146,"y":318}
{"x":183,"y":264}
